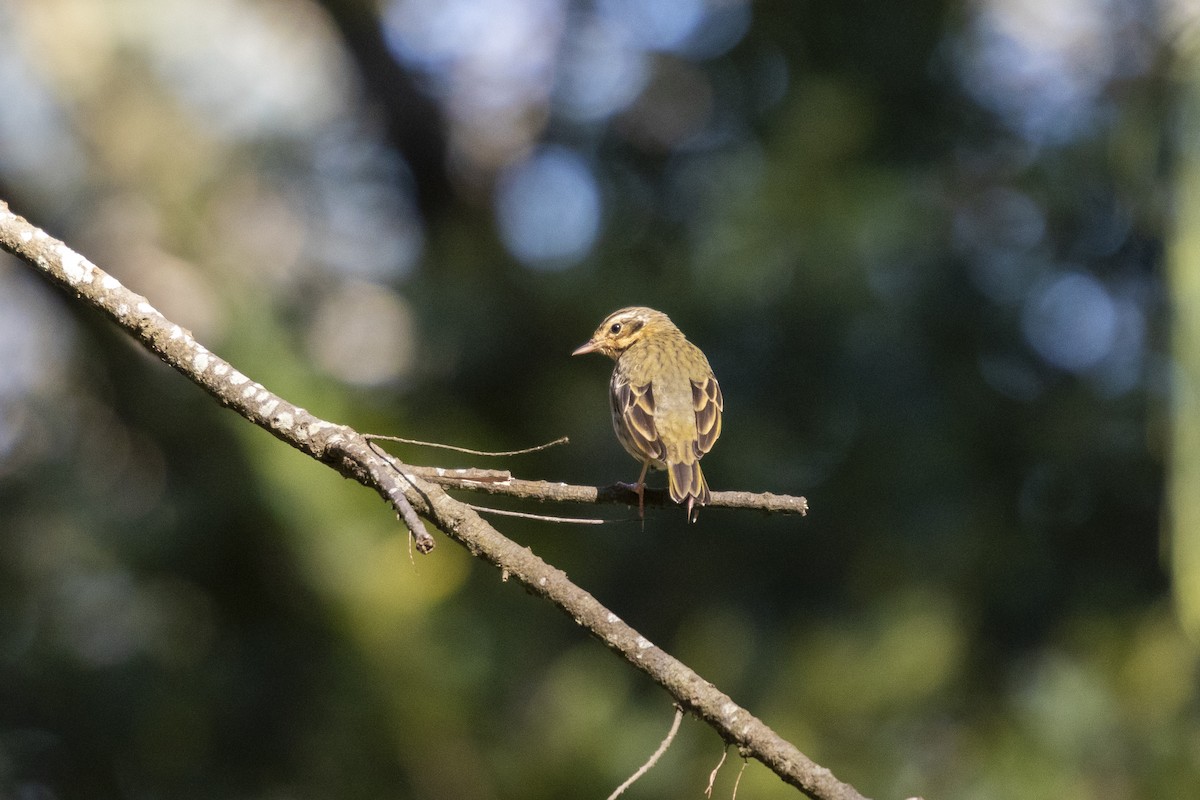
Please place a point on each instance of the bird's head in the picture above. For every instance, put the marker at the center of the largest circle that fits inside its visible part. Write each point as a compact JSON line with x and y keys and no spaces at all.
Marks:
{"x":622,"y":329}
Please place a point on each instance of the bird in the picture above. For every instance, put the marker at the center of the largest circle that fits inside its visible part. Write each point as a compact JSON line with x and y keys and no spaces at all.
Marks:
{"x":666,"y":403}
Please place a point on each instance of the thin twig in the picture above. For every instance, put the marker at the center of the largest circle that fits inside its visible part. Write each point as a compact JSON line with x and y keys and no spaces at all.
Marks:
{"x":712,"y":776}
{"x":472,"y":474}
{"x":420,"y":537}
{"x":662,"y":748}
{"x":738,"y":780}
{"x":467,"y":450}
{"x":540,"y":517}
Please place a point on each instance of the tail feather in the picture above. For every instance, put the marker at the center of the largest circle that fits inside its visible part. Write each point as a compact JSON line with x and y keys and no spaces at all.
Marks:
{"x":687,"y":485}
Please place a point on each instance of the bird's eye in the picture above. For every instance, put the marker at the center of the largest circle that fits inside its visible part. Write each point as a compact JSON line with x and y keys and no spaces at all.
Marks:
{"x":615,"y":328}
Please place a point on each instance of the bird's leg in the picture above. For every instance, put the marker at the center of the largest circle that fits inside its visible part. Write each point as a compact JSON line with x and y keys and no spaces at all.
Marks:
{"x":641,"y":491}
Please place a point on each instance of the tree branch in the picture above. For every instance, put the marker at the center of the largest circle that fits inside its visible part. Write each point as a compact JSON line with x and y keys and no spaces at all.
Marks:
{"x":501,"y":482}
{"x":352,"y":455}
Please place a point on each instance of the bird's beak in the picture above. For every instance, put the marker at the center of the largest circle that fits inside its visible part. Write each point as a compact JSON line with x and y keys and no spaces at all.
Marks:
{"x":587,"y":347}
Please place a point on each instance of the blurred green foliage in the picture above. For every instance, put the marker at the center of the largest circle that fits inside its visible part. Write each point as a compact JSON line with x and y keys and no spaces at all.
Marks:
{"x":922,"y":246}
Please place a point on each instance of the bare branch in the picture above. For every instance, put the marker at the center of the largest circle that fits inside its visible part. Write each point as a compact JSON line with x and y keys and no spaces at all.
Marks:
{"x":352,"y":455}
{"x":178,"y":348}
{"x":387,"y":477}
{"x":502,"y":482}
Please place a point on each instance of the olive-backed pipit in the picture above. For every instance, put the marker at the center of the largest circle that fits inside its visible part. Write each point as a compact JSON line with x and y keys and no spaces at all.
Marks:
{"x":666,"y":404}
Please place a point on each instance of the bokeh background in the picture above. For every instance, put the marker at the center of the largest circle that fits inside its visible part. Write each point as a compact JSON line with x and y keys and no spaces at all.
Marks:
{"x":942,"y":256}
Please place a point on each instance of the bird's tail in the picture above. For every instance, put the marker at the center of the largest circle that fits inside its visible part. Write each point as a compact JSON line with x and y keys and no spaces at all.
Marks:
{"x":688,"y":486}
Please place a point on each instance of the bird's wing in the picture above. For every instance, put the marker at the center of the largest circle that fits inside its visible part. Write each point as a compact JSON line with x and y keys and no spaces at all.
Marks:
{"x":635,"y":404}
{"x":708,"y":404}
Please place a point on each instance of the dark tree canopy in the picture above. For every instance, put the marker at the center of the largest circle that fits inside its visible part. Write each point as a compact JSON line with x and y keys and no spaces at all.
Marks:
{"x":924,"y":246}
